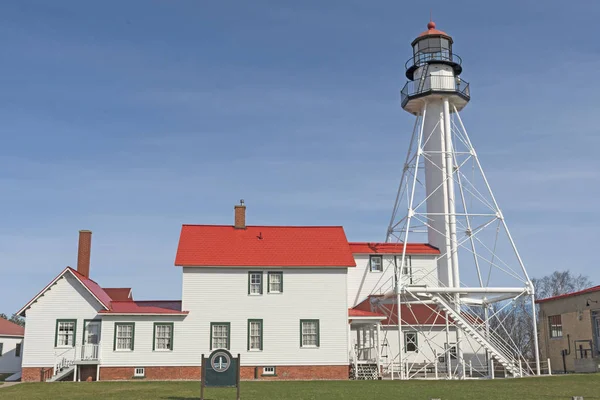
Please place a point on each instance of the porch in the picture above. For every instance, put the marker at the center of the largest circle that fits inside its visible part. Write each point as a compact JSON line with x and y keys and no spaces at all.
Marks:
{"x":364,"y":332}
{"x":67,"y":362}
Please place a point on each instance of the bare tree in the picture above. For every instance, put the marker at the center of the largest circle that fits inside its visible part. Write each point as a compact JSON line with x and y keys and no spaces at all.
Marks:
{"x":14,"y":318}
{"x":559,"y":282}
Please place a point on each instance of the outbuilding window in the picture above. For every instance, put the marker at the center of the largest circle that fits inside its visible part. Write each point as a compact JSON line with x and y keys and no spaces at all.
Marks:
{"x":555,"y":326}
{"x":17,"y":350}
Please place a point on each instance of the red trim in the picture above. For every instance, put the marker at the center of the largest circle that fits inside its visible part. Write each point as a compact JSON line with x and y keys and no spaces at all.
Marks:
{"x":562,"y":296}
{"x":391,"y":248}
{"x":360,"y":313}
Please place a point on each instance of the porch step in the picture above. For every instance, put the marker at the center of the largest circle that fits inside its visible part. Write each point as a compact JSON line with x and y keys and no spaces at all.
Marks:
{"x":63,"y":373}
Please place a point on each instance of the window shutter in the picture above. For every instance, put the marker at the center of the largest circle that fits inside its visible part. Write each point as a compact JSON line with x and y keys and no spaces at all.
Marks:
{"x":318,"y":333}
{"x":249,"y":280}
{"x":281,"y":274}
{"x":262,"y":283}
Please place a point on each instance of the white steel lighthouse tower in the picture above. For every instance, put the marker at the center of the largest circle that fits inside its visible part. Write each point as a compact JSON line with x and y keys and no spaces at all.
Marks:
{"x":480,"y":287}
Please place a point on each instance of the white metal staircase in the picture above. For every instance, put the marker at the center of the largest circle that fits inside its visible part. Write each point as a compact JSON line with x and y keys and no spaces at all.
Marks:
{"x":496,"y":349}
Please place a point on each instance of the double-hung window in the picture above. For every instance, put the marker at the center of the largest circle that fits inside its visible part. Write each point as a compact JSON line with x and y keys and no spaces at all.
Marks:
{"x":255,"y":334}
{"x":65,"y":333}
{"x":124,"y":336}
{"x":219,"y":335}
{"x":275,"y":282}
{"x":555,"y":326}
{"x":309,"y":333}
{"x":163,"y":336}
{"x":255,"y":284}
{"x":376,"y":263}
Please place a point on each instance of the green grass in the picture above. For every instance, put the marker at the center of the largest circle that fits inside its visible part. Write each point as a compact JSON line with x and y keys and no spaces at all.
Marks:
{"x":543,"y":388}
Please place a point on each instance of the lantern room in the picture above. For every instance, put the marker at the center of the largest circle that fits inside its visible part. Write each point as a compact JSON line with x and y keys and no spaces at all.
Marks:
{"x":432,"y":45}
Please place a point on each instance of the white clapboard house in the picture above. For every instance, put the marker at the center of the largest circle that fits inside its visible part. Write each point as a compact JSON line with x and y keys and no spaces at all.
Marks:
{"x":11,"y":349}
{"x":294,"y":302}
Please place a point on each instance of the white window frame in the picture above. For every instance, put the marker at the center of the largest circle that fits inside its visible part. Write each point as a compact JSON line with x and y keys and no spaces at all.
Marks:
{"x":269,"y":371}
{"x":306,"y":333}
{"x":255,"y":288}
{"x":259,"y":335}
{"x":119,"y":335}
{"x":139,"y":372}
{"x":280,"y":283}
{"x":162,"y":337}
{"x":371,"y":263}
{"x":66,"y":334}
{"x":214,"y":337}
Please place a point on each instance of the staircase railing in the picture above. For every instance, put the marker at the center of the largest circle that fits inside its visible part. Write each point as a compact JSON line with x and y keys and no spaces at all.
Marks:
{"x":504,"y":353}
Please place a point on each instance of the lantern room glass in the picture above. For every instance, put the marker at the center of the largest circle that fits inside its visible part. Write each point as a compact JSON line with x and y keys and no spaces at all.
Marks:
{"x":432,"y":48}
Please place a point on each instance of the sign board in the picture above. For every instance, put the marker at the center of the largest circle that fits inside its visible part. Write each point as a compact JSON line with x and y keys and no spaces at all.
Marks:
{"x":220,"y":369}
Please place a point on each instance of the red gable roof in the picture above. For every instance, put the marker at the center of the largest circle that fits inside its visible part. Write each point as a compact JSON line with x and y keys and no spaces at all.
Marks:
{"x":146,"y":307}
{"x":94,"y":288}
{"x":263,"y":246}
{"x":562,"y":296}
{"x":392,"y":248}
{"x":119,"y":294}
{"x":8,"y":328}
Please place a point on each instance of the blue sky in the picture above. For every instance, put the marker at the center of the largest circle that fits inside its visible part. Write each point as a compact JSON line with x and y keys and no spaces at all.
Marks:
{"x":131,"y":118}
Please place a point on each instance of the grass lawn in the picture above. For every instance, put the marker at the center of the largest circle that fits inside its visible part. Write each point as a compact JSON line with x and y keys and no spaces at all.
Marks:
{"x":546,"y":388}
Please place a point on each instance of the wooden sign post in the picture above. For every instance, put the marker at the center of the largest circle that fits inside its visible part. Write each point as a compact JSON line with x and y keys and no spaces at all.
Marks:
{"x":220,"y":369}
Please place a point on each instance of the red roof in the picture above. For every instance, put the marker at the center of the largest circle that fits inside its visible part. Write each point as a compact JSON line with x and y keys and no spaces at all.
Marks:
{"x":146,"y":307}
{"x":263,"y":246}
{"x":413,"y":314}
{"x":8,"y":328}
{"x":432,"y":31}
{"x":93,"y":287}
{"x":562,"y":296}
{"x":119,"y":294}
{"x":392,"y":248}
{"x":360,"y":313}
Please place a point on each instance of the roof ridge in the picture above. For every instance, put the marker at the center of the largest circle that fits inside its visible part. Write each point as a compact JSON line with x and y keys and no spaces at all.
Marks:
{"x":267,"y":226}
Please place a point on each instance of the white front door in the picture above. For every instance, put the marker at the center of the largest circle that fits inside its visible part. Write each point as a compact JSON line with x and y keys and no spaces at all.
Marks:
{"x":91,"y":340}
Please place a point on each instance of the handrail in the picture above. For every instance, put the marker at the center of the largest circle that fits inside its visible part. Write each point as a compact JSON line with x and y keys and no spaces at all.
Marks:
{"x":435,"y":83}
{"x":424,"y":58}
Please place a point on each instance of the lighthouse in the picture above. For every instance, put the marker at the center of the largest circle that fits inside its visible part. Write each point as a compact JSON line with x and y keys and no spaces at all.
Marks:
{"x":445,"y":200}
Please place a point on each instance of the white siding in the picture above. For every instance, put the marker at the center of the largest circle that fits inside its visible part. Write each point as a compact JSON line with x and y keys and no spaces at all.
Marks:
{"x":143,"y":355}
{"x":221,"y":295}
{"x":66,"y":299}
{"x":9,"y":362}
{"x":362,"y":282}
{"x":429,"y":340}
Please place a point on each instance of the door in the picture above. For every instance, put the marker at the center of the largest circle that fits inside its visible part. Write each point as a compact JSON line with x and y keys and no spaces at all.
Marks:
{"x":91,"y":340}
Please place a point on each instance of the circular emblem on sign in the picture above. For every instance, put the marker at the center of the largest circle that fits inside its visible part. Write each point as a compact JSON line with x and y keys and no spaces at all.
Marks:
{"x":220,"y":361}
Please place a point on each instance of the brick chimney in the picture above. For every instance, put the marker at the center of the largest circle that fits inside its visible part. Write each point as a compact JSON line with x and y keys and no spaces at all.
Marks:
{"x":84,"y":253}
{"x":240,"y":216}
